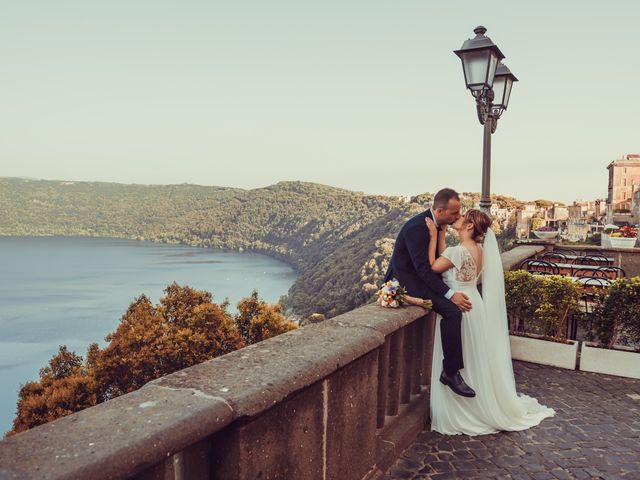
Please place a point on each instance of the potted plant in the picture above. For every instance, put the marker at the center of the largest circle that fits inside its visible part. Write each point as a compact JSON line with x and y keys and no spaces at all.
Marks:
{"x":546,"y":233}
{"x":615,"y":331}
{"x":538,"y":308}
{"x":625,"y":237}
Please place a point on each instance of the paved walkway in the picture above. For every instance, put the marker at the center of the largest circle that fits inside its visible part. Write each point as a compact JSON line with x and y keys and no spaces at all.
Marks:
{"x":595,"y":434}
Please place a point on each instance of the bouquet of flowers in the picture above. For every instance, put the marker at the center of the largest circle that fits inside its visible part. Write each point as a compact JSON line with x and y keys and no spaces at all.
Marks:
{"x":391,"y":294}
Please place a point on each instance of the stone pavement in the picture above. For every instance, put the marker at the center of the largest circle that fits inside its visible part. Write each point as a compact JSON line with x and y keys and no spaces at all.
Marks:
{"x":595,"y":434}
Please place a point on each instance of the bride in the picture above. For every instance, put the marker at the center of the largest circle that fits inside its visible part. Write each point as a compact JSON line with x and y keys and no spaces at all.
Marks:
{"x":485,"y":338}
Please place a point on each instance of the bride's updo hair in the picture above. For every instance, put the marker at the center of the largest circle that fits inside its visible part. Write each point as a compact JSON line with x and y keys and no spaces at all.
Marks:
{"x":480,"y":221}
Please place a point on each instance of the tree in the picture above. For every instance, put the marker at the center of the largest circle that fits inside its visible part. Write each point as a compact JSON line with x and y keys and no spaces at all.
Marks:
{"x":179,"y":302}
{"x":152,"y":341}
{"x":65,"y":386}
{"x":541,"y":203}
{"x":507,"y":237}
{"x":137,"y":351}
{"x":257,"y":321}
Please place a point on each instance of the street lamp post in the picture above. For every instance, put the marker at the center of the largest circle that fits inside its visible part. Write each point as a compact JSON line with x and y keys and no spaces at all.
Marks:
{"x":490,"y":82}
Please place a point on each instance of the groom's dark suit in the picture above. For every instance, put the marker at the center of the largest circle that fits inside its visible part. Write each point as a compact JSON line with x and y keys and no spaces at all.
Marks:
{"x":410,"y":266}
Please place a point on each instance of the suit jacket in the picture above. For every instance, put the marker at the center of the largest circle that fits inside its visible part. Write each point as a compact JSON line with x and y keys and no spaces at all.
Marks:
{"x":410,"y":263}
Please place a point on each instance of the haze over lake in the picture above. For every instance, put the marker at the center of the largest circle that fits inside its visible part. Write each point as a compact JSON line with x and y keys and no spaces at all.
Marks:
{"x":73,"y":291}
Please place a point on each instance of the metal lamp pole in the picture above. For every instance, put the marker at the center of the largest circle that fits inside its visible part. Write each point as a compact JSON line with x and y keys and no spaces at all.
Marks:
{"x":490,"y":82}
{"x":485,"y":198}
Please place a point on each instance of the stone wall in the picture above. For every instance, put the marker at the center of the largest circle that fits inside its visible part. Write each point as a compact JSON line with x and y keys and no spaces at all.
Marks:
{"x":334,"y":400}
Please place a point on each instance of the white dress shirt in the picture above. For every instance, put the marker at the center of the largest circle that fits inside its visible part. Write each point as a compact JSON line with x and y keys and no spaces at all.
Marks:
{"x":450,"y":293}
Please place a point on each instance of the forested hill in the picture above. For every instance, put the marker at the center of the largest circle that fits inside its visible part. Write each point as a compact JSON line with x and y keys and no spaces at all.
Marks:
{"x":338,"y":240}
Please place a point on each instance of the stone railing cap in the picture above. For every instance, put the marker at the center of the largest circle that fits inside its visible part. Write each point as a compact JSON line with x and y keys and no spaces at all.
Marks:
{"x":517,"y":255}
{"x":116,"y":438}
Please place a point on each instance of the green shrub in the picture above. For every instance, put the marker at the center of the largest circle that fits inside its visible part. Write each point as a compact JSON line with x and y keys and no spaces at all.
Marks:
{"x":541,"y":304}
{"x":616,"y":316}
{"x":559,"y":299}
{"x":520,"y":299}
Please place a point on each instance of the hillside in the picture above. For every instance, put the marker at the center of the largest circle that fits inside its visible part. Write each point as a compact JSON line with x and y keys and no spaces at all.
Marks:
{"x":339,"y":241}
{"x":335,"y":238}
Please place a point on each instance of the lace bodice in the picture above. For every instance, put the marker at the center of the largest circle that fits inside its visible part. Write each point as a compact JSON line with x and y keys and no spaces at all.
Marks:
{"x":464,"y":268}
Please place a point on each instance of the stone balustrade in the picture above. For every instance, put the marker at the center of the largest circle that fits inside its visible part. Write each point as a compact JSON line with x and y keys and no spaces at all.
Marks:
{"x":334,"y":400}
{"x":512,"y":259}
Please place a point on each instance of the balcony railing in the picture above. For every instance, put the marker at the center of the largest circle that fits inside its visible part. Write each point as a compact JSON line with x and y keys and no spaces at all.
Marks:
{"x":339,"y":399}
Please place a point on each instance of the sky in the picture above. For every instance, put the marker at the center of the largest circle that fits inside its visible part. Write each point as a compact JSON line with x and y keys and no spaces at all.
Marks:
{"x":363,"y":95}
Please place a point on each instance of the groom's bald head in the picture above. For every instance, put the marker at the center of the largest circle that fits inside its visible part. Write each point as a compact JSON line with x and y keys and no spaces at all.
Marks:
{"x":446,"y":206}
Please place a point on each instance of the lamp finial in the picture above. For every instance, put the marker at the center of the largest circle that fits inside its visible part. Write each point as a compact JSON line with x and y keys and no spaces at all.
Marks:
{"x":479,"y":30}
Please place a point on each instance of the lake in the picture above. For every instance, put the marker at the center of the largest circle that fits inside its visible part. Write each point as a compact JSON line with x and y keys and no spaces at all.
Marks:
{"x":73,"y":291}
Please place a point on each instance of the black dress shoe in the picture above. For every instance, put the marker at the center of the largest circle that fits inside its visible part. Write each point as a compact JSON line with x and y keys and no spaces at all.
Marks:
{"x":456,"y":383}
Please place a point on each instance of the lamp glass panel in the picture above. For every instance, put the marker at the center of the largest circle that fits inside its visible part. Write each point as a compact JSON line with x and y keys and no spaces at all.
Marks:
{"x":499,"y":85}
{"x":507,"y":91}
{"x":493,"y":64}
{"x":475,"y":64}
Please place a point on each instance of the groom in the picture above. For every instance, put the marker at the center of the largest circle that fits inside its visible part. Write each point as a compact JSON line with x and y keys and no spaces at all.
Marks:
{"x":410,"y":266}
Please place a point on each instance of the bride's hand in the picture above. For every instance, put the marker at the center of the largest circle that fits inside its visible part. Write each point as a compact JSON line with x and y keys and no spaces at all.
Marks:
{"x":433,"y":230}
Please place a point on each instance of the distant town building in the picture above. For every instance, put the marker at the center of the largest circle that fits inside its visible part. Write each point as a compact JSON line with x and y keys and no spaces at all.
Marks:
{"x":556,"y":216}
{"x":578,"y":231}
{"x":523,"y":220}
{"x":635,"y":207}
{"x":624,"y":182}
{"x":503,"y":214}
{"x":589,"y":211}
{"x":585,"y":219}
{"x":576,"y":211}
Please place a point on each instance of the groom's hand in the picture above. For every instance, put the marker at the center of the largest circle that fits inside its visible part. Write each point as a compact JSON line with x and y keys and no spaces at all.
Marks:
{"x":462,"y":301}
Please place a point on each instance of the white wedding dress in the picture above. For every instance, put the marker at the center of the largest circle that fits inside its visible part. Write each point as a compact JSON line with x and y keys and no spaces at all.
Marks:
{"x":486,"y":353}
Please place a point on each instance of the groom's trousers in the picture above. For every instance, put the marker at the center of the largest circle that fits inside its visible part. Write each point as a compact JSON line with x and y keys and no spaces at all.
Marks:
{"x":450,"y":333}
